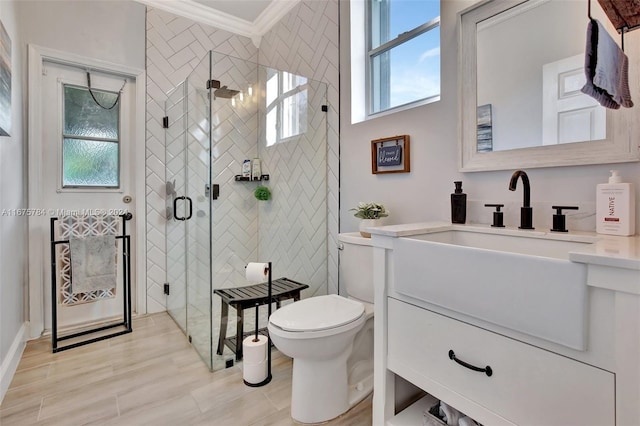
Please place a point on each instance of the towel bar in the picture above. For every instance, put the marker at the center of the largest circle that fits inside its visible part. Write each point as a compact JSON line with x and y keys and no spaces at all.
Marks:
{"x":126,"y":323}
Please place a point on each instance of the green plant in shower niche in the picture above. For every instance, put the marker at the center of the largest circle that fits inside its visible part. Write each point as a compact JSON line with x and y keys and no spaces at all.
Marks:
{"x":262,"y":193}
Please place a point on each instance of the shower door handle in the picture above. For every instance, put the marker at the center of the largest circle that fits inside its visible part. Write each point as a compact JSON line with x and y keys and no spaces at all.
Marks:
{"x":175,"y":208}
{"x":190,"y":208}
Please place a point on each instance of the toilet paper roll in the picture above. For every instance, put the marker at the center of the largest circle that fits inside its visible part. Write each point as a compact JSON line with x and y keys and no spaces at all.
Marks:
{"x":254,"y":352}
{"x":254,"y":373}
{"x":257,"y":272}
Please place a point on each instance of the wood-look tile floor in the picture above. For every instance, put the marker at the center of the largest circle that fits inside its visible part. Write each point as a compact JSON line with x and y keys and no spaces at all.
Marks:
{"x":151,"y":376}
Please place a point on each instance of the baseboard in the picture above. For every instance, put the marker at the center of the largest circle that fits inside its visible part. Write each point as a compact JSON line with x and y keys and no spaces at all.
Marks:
{"x":11,"y":361}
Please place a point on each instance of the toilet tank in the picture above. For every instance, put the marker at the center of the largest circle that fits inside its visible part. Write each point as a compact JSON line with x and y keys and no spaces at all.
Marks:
{"x":356,"y":266}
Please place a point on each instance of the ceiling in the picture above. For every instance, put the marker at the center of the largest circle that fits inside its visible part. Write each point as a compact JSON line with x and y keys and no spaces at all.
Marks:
{"x":249,"y":10}
{"x":249,"y":18}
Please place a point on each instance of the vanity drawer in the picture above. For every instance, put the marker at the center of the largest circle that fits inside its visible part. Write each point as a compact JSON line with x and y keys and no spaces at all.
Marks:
{"x":528,"y":385}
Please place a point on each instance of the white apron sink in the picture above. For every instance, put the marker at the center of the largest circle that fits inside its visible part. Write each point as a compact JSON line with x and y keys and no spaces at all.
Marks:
{"x":521,"y":280}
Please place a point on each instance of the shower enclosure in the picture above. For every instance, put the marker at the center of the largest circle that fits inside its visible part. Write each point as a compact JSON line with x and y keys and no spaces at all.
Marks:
{"x":226,"y":111}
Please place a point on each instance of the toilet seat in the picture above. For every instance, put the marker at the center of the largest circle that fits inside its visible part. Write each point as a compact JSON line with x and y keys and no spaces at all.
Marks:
{"x":317,"y":314}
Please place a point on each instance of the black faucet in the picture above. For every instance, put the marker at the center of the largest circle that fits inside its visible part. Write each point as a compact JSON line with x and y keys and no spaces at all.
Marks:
{"x":526,"y":212}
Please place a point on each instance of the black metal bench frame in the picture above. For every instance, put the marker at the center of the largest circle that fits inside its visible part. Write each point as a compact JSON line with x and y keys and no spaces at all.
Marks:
{"x":241,"y":298}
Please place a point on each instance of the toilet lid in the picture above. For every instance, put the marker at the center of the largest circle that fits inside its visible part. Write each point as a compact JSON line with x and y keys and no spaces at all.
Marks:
{"x":317,"y":313}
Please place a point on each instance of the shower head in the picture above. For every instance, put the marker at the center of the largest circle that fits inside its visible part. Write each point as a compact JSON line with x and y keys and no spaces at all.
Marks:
{"x":224,"y":92}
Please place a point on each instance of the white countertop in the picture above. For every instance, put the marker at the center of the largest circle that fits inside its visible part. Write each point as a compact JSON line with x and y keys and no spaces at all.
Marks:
{"x":605,"y":250}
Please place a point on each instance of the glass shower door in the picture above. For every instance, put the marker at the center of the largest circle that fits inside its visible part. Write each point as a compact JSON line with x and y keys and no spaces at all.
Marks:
{"x":249,"y":112}
{"x":188,"y":170}
{"x":176,"y":235}
{"x":198,"y":227}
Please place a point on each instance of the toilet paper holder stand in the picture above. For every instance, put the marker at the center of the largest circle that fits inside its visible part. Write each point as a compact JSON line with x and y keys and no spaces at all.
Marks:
{"x":269,"y":303}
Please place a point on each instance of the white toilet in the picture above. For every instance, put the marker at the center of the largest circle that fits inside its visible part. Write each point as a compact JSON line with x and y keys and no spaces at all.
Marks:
{"x":330,"y":339}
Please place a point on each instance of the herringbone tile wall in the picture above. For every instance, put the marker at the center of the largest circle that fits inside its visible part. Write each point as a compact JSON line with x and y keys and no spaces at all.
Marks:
{"x":234,"y":138}
{"x":305,"y":42}
{"x":293,"y":225}
{"x":175,"y":46}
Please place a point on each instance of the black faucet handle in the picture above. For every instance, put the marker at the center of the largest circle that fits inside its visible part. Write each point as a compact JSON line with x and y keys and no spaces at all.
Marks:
{"x":497,"y":206}
{"x":498,"y":217}
{"x":559,"y":220}
{"x":560,"y":208}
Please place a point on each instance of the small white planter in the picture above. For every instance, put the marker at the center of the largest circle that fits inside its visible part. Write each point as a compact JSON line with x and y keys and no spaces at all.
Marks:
{"x":367,"y":223}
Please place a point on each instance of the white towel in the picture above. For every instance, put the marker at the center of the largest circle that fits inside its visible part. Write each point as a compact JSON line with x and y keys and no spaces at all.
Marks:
{"x":467,"y":421}
{"x":93,"y":263}
{"x":451,"y":415}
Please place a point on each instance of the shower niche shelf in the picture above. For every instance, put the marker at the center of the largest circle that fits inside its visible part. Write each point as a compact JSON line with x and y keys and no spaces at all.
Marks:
{"x":240,"y":178}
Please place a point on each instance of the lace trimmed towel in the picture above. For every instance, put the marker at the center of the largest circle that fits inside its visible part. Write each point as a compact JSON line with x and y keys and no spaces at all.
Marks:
{"x":93,"y":263}
{"x":606,"y":69}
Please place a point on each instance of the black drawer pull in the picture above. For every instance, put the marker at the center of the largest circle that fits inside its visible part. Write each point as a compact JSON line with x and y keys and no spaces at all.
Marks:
{"x":487,"y":370}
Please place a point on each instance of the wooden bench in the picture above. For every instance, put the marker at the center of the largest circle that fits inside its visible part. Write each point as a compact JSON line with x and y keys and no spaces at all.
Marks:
{"x":242,"y":298}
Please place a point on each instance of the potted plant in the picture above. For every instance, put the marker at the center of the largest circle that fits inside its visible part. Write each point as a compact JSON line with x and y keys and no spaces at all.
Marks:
{"x":371,"y":215}
{"x":262,"y":193}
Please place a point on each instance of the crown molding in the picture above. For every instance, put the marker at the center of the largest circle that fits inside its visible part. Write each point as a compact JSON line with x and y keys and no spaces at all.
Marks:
{"x":200,"y":13}
{"x":276,"y":10}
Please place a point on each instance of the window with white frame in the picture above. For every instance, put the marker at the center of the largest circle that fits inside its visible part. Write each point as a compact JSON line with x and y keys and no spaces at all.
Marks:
{"x":403,"y":53}
{"x":286,"y":105}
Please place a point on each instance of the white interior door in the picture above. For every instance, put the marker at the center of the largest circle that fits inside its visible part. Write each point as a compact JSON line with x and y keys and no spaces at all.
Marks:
{"x":88,"y":165}
{"x":568,"y":115}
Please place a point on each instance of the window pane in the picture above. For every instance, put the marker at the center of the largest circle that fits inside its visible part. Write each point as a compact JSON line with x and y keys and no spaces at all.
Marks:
{"x":271,"y":129}
{"x":272,"y":89}
{"x":294,"y":114}
{"x":89,"y":163}
{"x":407,"y":73}
{"x":83,"y":117}
{"x":390,"y":18}
{"x":291,"y":81}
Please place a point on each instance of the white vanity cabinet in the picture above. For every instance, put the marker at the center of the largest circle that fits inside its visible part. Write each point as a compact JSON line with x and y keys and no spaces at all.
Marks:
{"x":527,"y":386}
{"x":532,"y":381}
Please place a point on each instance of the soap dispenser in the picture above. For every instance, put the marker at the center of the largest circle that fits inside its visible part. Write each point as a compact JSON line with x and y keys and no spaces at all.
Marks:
{"x":458,"y":204}
{"x":615,"y":207}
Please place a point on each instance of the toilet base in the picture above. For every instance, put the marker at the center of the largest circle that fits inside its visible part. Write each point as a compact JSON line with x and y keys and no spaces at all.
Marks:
{"x":361,"y":385}
{"x":317,"y":398}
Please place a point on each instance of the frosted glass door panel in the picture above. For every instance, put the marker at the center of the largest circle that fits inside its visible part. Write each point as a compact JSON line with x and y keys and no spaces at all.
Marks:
{"x":90,"y":138}
{"x":90,"y":163}
{"x":84,"y":117}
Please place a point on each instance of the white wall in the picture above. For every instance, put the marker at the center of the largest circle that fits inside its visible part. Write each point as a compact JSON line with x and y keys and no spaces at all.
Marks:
{"x":423,"y":194}
{"x":110,"y":30}
{"x":13,"y":228}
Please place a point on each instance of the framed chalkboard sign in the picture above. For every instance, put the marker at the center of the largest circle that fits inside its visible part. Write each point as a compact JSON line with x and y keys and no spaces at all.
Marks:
{"x":390,"y":155}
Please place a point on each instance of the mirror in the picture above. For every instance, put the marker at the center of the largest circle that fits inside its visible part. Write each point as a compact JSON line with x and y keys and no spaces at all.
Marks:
{"x":521,"y":71}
